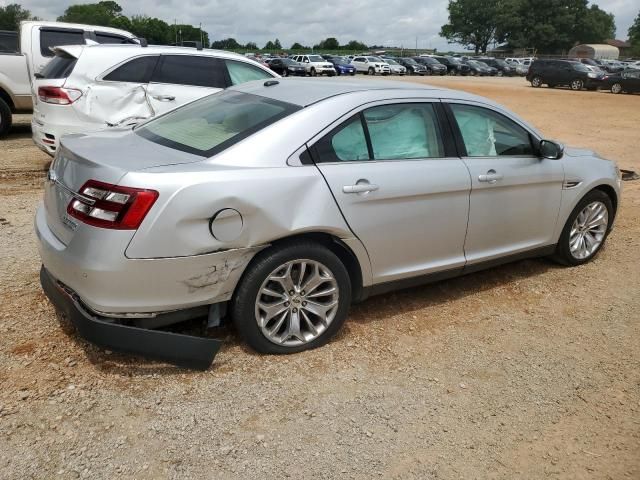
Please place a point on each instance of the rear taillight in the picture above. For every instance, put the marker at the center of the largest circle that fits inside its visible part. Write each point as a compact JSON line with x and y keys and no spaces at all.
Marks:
{"x":111,"y":206}
{"x":58,"y":95}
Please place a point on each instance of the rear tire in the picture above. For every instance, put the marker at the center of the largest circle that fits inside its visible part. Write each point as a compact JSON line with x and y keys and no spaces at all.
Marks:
{"x":250,"y":304}
{"x":572,"y":229}
{"x":536,"y":81}
{"x":5,"y":118}
{"x":616,"y":88}
{"x":285,"y":73}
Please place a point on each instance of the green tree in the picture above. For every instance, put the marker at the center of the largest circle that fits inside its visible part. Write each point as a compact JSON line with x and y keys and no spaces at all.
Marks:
{"x":473,"y":23}
{"x":12,"y":15}
{"x":154,"y":30}
{"x":269,"y":46}
{"x":355,"y":46}
{"x":251,"y":46}
{"x":298,"y":46}
{"x":188,"y":33}
{"x":227,"y":43}
{"x":328,"y":44}
{"x":595,"y":26}
{"x":634,"y":36}
{"x":277,"y":44}
{"x":101,"y":13}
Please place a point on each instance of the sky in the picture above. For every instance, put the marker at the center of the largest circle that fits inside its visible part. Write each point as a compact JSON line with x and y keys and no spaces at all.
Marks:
{"x":399,"y":23}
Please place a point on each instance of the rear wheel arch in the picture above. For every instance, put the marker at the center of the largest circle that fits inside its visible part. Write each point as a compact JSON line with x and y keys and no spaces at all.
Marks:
{"x":4,"y":95}
{"x":338,"y":248}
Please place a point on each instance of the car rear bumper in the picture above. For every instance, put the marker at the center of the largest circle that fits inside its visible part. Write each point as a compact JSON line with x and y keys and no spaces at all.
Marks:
{"x":178,"y":349}
{"x":47,"y":136}
{"x":93,"y":264}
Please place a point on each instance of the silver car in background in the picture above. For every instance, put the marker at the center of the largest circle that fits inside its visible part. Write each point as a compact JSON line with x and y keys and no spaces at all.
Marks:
{"x":278,"y":203}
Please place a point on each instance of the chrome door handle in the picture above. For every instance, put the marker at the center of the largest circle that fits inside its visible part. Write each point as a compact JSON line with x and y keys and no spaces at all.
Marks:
{"x":164,"y":98}
{"x":360,"y":188}
{"x":490,"y":177}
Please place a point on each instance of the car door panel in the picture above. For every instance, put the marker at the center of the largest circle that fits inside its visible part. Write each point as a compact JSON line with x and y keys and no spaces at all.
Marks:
{"x":515,"y":195}
{"x":410,"y":213}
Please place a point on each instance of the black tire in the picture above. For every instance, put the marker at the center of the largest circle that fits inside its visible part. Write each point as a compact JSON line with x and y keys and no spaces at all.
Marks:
{"x":285,"y":73}
{"x":576,"y":84}
{"x":244,"y":298}
{"x":371,"y":71}
{"x":563,"y":253}
{"x":5,"y":118}
{"x":352,"y":73}
{"x":536,"y":81}
{"x":616,"y":88}
{"x":313,"y":72}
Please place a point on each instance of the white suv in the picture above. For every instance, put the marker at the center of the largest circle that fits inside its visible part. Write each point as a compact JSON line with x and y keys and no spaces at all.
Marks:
{"x":92,"y":87}
{"x":371,"y":65}
{"x":315,"y":65}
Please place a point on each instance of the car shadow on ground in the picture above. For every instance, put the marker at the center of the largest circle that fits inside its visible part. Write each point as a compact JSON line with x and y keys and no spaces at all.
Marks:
{"x":18,"y":131}
{"x":374,"y":309}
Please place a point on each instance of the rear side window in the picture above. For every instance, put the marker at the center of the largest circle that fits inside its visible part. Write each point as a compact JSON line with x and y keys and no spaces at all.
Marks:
{"x":214,"y":123}
{"x":241,"y":72}
{"x":102,"y":37}
{"x":8,"y":41}
{"x":57,"y":37}
{"x":137,"y":70}
{"x":60,"y":66}
{"x":199,"y":71}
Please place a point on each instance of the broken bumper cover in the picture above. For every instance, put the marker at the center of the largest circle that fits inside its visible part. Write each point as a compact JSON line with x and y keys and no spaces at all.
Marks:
{"x":182,"y":350}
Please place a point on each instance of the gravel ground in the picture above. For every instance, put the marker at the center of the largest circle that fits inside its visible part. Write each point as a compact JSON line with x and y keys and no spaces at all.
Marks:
{"x":524,"y":371}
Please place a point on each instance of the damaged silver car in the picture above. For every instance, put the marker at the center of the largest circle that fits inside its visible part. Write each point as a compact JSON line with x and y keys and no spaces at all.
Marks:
{"x":279,"y":203}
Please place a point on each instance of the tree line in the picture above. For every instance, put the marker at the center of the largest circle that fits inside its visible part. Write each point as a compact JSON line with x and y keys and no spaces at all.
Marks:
{"x":545,"y":26}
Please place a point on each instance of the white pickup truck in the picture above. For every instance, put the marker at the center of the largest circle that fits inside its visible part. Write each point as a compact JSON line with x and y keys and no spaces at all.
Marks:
{"x":35,"y":39}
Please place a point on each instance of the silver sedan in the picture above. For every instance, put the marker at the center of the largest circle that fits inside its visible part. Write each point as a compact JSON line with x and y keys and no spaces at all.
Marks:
{"x":278,"y":204}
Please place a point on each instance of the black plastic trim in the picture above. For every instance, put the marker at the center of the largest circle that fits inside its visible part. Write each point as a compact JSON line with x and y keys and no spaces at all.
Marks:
{"x":181,"y":350}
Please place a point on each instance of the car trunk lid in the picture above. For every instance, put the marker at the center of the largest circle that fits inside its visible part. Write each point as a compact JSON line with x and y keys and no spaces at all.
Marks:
{"x":105,"y":157}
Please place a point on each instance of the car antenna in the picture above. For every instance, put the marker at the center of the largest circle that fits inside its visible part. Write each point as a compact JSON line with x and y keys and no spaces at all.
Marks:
{"x":271,"y":83}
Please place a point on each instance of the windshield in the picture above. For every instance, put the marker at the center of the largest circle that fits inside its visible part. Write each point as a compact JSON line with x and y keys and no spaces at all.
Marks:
{"x":375,"y":59}
{"x":316,"y":58}
{"x":454,"y":59}
{"x":390,"y":62}
{"x":214,"y":123}
{"x":288,"y":61}
{"x":339,"y":61}
{"x":410,"y":61}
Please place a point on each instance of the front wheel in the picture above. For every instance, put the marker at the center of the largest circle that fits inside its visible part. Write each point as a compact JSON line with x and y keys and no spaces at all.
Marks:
{"x":313,"y":72}
{"x":586,"y":229}
{"x":616,"y":88}
{"x":535,"y":81}
{"x":285,"y":73}
{"x":371,"y":71}
{"x":577,"y":84}
{"x":291,"y":298}
{"x":5,"y":118}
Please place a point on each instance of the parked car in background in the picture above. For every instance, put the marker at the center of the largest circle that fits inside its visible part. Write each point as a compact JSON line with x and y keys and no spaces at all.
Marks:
{"x":504,"y":69}
{"x":342,"y":66}
{"x":315,"y":65}
{"x":627,"y":82}
{"x":433,"y":66}
{"x":413,"y":67}
{"x":611,"y":66}
{"x":286,"y":67}
{"x":563,"y":73}
{"x":371,"y":65}
{"x":92,"y":87}
{"x":454,"y":65}
{"x":479,"y":68}
{"x":17,"y":68}
{"x":395,"y":67}
{"x":190,"y":214}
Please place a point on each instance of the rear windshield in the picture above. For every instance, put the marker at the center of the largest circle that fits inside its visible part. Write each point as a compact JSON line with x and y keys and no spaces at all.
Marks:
{"x":60,"y":66}
{"x":212,"y":124}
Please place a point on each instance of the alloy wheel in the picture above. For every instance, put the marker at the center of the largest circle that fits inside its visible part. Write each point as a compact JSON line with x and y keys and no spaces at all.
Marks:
{"x":536,"y":82}
{"x":616,"y":88}
{"x":576,"y":85}
{"x":588,"y":230}
{"x":297,"y":302}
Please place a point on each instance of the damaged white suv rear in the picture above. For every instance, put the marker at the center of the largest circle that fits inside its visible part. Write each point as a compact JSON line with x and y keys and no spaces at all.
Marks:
{"x":87,"y":88}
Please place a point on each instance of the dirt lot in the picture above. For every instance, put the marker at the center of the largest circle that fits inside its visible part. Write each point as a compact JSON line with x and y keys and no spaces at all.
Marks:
{"x":524,"y":371}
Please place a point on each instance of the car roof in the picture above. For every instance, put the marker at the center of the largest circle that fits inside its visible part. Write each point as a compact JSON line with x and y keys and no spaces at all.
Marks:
{"x":124,"y":50}
{"x":305,"y":92}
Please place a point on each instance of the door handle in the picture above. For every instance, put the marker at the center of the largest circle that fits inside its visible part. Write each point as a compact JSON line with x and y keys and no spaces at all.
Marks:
{"x":164,"y":98}
{"x":360,"y":188}
{"x":490,"y":177}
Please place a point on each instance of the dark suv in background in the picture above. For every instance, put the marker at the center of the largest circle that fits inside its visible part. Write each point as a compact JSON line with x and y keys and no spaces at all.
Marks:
{"x":454,"y":65}
{"x":563,"y":72}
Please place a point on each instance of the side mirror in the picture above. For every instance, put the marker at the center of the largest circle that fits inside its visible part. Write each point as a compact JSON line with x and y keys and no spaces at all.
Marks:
{"x":551,"y":150}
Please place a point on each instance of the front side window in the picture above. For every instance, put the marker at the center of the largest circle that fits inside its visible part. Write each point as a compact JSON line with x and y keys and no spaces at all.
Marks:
{"x":214,"y":123}
{"x":137,"y":70}
{"x":488,"y":134}
{"x":199,"y":71}
{"x":387,"y":132}
{"x":58,"y":37}
{"x":241,"y":72}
